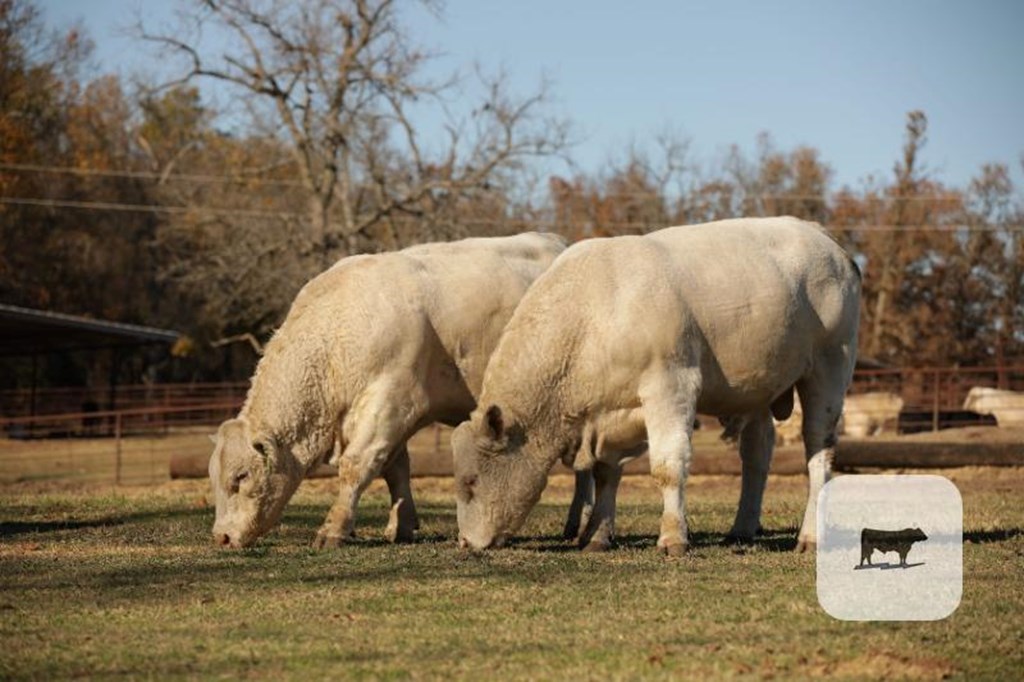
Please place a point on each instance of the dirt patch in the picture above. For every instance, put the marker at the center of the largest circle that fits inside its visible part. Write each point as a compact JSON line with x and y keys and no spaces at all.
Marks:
{"x":882,"y":666}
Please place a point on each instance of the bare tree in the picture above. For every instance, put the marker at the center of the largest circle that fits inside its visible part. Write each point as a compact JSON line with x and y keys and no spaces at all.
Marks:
{"x":903,"y":212}
{"x":340,"y":81}
{"x":640,"y":192}
{"x":996,"y":256}
{"x":779,"y":183}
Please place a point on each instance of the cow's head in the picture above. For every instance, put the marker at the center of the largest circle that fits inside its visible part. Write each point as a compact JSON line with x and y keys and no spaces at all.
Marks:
{"x":252,"y":480}
{"x":917,"y":535}
{"x":498,"y":480}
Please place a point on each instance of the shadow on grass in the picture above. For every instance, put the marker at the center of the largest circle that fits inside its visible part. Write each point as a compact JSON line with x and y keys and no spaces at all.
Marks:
{"x":887,"y":566}
{"x":775,"y":540}
{"x":11,"y":528}
{"x":769,"y":540}
{"x":302,"y":522}
{"x":986,"y":536}
{"x":780,"y":540}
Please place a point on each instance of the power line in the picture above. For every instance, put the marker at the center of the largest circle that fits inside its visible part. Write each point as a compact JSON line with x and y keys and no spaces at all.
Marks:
{"x":144,"y":208}
{"x":740,"y":195}
{"x":524,"y":223}
{"x":145,"y":175}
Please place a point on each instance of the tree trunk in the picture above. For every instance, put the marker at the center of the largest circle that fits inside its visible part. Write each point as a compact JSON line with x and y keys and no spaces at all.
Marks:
{"x":319,"y":225}
{"x":885,"y":286}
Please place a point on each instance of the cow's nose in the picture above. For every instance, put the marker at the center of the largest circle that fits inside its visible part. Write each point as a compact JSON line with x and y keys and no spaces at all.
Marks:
{"x":222,"y":539}
{"x":463,"y":542}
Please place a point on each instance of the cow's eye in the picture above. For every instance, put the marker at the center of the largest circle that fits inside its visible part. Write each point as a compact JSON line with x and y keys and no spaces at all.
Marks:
{"x":466,"y":485}
{"x":237,"y":480}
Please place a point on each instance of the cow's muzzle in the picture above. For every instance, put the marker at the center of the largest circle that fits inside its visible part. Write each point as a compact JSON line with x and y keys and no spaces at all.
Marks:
{"x":225,"y":541}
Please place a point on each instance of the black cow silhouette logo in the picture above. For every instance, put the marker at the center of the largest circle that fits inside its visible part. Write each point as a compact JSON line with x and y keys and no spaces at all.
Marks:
{"x":899,"y":541}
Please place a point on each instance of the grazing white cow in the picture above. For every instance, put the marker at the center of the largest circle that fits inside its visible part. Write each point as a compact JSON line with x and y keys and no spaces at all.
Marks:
{"x":372,"y":350}
{"x":867,"y":414}
{"x":1006,"y":406}
{"x":624,"y":340}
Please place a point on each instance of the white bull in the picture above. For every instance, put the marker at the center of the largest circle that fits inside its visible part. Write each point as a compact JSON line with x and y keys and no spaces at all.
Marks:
{"x":625,"y":339}
{"x":372,"y":350}
{"x":1006,"y":406}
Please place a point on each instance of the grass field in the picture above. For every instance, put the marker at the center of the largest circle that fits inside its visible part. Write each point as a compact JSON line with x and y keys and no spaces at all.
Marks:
{"x":124,"y":582}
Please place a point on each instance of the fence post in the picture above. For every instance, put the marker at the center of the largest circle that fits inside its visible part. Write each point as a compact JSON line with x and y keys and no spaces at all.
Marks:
{"x":935,"y":403}
{"x":117,"y":445}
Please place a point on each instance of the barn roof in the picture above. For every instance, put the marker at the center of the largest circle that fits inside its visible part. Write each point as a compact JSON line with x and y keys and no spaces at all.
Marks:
{"x":27,"y":331}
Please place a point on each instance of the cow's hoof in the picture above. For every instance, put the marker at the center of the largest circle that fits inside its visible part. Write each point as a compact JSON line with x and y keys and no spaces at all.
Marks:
{"x":402,"y":536}
{"x":401,"y":529}
{"x":806,"y":546}
{"x":674,"y":550}
{"x":596,"y":546}
{"x":571,"y":532}
{"x":327,"y":541}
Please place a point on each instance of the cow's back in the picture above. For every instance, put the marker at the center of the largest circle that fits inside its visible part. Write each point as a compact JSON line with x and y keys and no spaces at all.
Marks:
{"x":750,"y":300}
{"x":469,"y":290}
{"x":435,"y":310}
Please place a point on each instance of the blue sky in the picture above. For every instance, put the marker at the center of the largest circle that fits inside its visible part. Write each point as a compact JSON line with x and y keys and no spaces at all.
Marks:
{"x":839,"y":76}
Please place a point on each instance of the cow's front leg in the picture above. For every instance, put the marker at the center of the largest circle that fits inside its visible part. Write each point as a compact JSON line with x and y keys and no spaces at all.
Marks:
{"x":600,"y":530}
{"x":404,"y":521}
{"x":377,"y":427}
{"x":354,"y":475}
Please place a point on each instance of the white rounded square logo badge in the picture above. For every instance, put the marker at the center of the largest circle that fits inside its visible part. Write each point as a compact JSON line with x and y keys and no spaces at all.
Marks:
{"x":890,"y":547}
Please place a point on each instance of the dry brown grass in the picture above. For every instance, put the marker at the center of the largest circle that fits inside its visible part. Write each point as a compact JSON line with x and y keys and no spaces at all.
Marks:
{"x":106,"y":581}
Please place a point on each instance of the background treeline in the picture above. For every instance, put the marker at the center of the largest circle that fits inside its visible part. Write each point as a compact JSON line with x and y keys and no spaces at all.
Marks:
{"x":130,"y":202}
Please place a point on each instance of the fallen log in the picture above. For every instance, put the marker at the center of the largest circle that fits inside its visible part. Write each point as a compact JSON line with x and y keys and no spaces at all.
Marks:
{"x":889,"y":453}
{"x":932,"y":454}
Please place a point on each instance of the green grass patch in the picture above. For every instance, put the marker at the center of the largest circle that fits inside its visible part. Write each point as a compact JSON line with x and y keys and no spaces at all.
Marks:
{"x":126,"y":583}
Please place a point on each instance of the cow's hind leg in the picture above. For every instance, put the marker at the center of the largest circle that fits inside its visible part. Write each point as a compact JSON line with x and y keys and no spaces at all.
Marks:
{"x":582,"y":505}
{"x":757,"y":440}
{"x":600,"y":530}
{"x":404,"y":519}
{"x":821,"y":395}
{"x":669,"y":401}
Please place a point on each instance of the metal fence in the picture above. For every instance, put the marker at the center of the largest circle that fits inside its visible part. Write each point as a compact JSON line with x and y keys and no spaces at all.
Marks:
{"x":131,"y":446}
{"x":933,"y":397}
{"x":134,"y":445}
{"x":24,"y":402}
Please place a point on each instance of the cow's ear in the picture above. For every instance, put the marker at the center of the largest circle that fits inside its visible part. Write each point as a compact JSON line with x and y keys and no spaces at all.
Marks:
{"x":494,"y":423}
